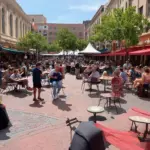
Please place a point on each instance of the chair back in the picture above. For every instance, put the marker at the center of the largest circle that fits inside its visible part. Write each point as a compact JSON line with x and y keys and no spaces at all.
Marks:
{"x":94,"y":80}
{"x":117,"y":87}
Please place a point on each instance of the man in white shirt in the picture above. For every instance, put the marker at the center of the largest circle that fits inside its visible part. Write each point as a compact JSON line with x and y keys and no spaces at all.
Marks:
{"x":95,"y":74}
{"x":15,"y":75}
{"x":127,"y":65}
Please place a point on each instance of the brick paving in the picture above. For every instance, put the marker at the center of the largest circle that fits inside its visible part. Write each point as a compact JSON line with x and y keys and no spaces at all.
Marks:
{"x":42,"y":126}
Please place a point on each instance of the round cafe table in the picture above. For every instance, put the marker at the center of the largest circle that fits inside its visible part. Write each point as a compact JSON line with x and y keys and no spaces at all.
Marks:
{"x":94,"y":110}
{"x":140,"y":119}
{"x":105,"y":79}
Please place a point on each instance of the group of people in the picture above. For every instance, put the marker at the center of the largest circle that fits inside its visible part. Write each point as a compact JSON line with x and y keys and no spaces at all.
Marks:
{"x":90,"y":69}
{"x":56,"y":75}
{"x":138,"y":75}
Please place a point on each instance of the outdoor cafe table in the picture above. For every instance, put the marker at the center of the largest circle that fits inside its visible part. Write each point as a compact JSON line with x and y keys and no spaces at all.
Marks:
{"x":140,"y":119}
{"x":46,"y":72}
{"x":105,"y":79}
{"x":95,"y":110}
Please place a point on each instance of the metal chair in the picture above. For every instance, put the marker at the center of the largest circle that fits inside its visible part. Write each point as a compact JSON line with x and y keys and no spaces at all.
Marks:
{"x":115,"y":95}
{"x":70,"y":122}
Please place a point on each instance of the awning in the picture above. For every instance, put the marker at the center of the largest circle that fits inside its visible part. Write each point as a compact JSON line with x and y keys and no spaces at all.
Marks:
{"x":140,"y":52}
{"x":12,"y":50}
{"x":118,"y":54}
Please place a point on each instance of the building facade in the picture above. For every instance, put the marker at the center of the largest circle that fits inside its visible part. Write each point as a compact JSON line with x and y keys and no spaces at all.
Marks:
{"x":50,"y":30}
{"x":37,"y":18}
{"x":112,"y":4}
{"x":95,"y":20}
{"x":14,"y":23}
{"x":142,"y":6}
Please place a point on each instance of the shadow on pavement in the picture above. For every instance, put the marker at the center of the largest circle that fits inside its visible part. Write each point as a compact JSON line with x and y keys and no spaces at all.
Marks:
{"x":98,"y":118}
{"x":145,"y":98}
{"x":19,"y":94}
{"x":3,"y":134}
{"x":112,"y":109}
{"x":94,"y":95}
{"x":62,"y":96}
{"x":122,"y":101}
{"x":62,"y":105}
{"x":36,"y":104}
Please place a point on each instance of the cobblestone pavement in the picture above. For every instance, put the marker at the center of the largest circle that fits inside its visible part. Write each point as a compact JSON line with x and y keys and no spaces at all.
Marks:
{"x":23,"y":123}
{"x":42,"y":126}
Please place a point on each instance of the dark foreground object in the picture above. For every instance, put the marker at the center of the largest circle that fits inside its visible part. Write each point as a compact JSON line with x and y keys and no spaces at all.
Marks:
{"x":4,"y":120}
{"x":87,"y":137}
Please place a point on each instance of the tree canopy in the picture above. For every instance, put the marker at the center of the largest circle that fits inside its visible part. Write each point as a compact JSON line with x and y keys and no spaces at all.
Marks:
{"x":66,"y":39}
{"x":121,"y":25}
{"x":81,"y":44}
{"x":54,"y":47}
{"x":33,"y":40}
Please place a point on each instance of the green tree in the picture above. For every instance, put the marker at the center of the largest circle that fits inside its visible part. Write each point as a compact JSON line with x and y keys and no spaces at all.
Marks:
{"x":54,"y":47}
{"x":33,"y":40}
{"x":121,"y":25}
{"x":66,"y":39}
{"x":81,"y":44}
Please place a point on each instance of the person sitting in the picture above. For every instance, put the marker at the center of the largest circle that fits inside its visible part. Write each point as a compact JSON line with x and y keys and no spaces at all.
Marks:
{"x":23,"y":73}
{"x":88,"y":71}
{"x":145,"y":79}
{"x":132,"y":74}
{"x":56,"y":80}
{"x":94,"y":75}
{"x":117,"y":84}
{"x":138,"y":72}
{"x":123,"y":75}
{"x":16,"y":77}
{"x":105,"y":74}
{"x":77,"y":70}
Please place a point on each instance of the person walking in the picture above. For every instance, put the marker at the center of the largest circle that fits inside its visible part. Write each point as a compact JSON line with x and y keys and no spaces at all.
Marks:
{"x":37,"y":73}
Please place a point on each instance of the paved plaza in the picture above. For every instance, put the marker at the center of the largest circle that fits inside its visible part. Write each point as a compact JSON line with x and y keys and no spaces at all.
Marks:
{"x":42,"y":126}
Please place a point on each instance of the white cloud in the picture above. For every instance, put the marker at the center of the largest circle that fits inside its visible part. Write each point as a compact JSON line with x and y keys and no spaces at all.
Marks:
{"x":85,"y":8}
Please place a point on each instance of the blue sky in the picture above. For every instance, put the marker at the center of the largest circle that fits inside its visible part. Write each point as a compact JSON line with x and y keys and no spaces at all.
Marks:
{"x":62,"y":11}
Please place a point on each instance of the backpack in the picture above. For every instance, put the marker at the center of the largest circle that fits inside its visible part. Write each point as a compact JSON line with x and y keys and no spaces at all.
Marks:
{"x":87,"y":137}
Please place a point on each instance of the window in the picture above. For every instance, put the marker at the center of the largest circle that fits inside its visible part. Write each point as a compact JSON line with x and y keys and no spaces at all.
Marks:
{"x":126,"y":5}
{"x":50,"y":33}
{"x":148,"y":10}
{"x":16,"y":27}
{"x":44,"y":34}
{"x":20,"y":29}
{"x":32,"y":19}
{"x":141,"y":10}
{"x":74,"y":28}
{"x":23,"y":30}
{"x":3,"y":21}
{"x":130,"y":2}
{"x":102,"y":10}
{"x":45,"y":27}
{"x":80,"y":33}
{"x":11,"y":24}
{"x":39,"y":30}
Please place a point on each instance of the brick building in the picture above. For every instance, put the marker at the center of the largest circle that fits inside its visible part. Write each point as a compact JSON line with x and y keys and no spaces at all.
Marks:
{"x":37,"y":18}
{"x":50,"y":30}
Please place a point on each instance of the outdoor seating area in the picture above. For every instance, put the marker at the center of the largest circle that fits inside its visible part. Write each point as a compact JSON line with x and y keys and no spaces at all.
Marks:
{"x":134,"y":138}
{"x":103,"y":90}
